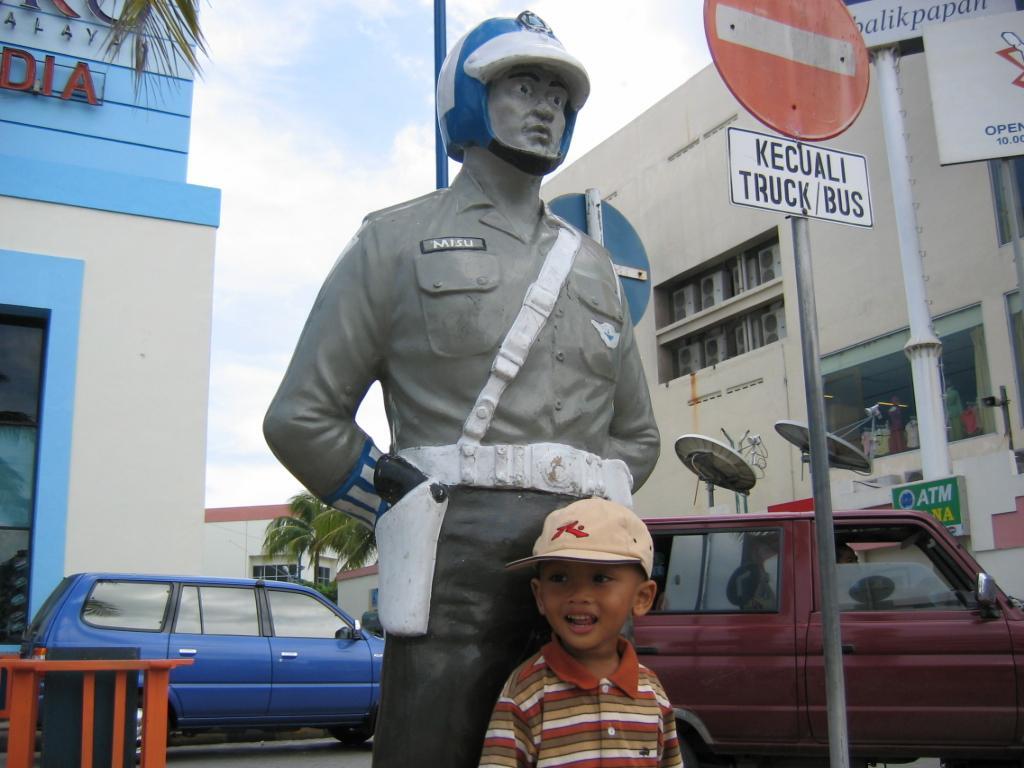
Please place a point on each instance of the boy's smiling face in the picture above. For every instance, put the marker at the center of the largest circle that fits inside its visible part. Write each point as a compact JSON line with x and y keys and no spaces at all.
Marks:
{"x":588,"y":603}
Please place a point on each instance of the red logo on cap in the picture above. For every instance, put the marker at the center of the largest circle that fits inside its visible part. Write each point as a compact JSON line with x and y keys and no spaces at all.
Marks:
{"x":571,"y":528}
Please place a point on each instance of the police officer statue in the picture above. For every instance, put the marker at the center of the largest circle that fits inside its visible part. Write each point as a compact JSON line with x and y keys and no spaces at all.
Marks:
{"x":511,"y":380}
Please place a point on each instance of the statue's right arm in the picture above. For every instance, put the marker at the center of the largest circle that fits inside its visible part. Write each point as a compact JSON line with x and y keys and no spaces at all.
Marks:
{"x":310,"y":425}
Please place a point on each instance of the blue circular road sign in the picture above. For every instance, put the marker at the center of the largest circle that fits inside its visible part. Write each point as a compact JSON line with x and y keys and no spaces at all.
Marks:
{"x":622,"y":242}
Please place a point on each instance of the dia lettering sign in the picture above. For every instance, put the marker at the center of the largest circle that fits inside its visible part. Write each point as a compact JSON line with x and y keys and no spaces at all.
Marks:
{"x":20,"y":71}
{"x":794,"y":177}
{"x":945,"y":500}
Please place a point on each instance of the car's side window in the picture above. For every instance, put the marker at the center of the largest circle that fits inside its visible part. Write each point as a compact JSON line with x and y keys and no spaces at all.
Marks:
{"x":298,"y":615}
{"x":189,"y":619}
{"x":229,"y":611}
{"x":896,"y":567}
{"x":718,"y":571}
{"x":140,"y":605}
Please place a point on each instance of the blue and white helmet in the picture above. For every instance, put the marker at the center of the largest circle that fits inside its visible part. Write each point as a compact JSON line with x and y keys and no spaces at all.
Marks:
{"x":482,"y":55}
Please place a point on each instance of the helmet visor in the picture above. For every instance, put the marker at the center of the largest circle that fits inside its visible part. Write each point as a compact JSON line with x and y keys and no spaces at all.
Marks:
{"x":517,"y":48}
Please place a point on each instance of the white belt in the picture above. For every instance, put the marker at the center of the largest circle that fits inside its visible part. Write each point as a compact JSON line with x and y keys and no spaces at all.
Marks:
{"x":548,"y":467}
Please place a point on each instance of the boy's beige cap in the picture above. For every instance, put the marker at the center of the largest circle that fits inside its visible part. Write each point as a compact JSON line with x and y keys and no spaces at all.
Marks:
{"x":593,"y":530}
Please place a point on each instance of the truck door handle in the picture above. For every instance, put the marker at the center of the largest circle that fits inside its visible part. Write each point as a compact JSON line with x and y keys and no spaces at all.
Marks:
{"x":848,"y":648}
{"x":647,"y":650}
{"x":289,"y":654}
{"x":187,"y":651}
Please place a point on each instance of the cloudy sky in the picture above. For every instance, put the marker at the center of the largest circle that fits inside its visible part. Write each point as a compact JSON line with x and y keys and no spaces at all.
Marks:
{"x":310,"y":115}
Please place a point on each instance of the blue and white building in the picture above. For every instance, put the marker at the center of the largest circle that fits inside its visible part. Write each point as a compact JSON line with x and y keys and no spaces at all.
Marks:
{"x":106,"y":284}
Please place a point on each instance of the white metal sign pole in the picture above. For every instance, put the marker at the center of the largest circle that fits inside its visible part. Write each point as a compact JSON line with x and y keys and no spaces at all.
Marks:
{"x":831,"y":637}
{"x":923,"y":348}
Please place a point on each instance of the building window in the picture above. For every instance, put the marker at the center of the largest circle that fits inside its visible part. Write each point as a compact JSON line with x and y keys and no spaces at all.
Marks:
{"x":22,"y":343}
{"x":707,"y":317}
{"x":743,"y":272}
{"x":1002,"y":205}
{"x":869,"y":389}
{"x":276,"y":572}
{"x":323,"y":575}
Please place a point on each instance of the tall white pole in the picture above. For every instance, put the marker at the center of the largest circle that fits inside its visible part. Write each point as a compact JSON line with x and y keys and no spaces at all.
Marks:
{"x":923,"y":348}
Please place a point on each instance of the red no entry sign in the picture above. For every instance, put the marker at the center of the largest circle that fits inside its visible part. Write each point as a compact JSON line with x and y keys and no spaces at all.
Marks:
{"x":798,"y":66}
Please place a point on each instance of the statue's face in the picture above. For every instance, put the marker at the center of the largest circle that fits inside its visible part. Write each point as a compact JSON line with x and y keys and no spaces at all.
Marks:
{"x":526,"y":106}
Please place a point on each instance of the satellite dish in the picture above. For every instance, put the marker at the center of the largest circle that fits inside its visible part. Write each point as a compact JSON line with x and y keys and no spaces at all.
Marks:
{"x":841,"y":454}
{"x":716,"y":464}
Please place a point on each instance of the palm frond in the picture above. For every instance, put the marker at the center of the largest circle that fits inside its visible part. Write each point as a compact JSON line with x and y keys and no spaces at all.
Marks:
{"x":163,"y":29}
{"x":316,"y":528}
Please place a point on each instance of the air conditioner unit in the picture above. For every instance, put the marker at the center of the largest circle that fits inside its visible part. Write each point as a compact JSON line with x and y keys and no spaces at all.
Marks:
{"x":688,"y":359}
{"x":773,"y":323}
{"x":715,"y":350}
{"x":768,"y":263}
{"x":714,"y":289}
{"x":684,"y":302}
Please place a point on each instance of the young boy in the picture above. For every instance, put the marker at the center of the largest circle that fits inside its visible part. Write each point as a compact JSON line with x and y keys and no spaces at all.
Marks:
{"x":584,"y":699}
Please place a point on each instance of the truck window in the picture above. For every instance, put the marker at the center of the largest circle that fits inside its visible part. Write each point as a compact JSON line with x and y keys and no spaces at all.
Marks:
{"x":897,"y":568}
{"x":189,"y":620}
{"x":139,"y":605}
{"x":299,"y":615}
{"x":718,"y":571}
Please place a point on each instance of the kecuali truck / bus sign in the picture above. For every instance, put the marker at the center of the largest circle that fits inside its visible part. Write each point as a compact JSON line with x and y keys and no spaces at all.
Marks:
{"x":945,"y":500}
{"x":792,"y":177}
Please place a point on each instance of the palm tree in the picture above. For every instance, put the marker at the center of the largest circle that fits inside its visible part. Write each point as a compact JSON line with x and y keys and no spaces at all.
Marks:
{"x":163,"y":28}
{"x":315,"y":528}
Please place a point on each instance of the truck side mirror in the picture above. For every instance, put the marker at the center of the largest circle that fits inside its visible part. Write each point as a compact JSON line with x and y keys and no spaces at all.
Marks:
{"x":985,"y":592}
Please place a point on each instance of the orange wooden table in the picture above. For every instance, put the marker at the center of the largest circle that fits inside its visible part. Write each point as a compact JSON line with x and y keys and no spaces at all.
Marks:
{"x":24,"y":675}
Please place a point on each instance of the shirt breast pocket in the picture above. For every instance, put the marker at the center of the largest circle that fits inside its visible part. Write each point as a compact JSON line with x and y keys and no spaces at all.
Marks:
{"x":600,"y":325}
{"x":463,"y":311}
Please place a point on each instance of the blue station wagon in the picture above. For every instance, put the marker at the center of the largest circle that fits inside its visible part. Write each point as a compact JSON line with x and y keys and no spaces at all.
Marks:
{"x":266,"y":654}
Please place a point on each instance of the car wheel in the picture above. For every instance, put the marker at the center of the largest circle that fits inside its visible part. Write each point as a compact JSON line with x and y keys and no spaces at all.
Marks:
{"x":351,"y":735}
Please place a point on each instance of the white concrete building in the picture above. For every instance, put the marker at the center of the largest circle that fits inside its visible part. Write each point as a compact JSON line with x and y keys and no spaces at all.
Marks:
{"x":106,"y":289}
{"x":233,"y":547}
{"x":721,"y":342}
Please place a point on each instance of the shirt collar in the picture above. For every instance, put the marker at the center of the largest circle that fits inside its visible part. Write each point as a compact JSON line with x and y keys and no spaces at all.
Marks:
{"x":471,"y":196}
{"x":568,"y":669}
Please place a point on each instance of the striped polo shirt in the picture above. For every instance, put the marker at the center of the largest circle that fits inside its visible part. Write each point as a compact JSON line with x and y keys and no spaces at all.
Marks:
{"x":553,"y":712}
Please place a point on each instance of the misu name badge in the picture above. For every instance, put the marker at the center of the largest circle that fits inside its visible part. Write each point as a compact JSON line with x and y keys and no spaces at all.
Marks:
{"x":454,"y":243}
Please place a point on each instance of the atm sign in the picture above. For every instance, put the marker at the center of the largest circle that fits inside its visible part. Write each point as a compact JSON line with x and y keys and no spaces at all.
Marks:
{"x":945,"y":499}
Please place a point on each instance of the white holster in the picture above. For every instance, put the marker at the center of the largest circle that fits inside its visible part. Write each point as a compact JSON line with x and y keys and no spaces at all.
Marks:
{"x":407,"y":539}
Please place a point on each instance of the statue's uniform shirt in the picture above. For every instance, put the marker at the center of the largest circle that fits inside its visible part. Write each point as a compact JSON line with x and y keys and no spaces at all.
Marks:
{"x":421,"y":300}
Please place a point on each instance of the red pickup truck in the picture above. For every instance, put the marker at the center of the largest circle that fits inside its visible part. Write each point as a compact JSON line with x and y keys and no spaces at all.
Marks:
{"x":933,"y":652}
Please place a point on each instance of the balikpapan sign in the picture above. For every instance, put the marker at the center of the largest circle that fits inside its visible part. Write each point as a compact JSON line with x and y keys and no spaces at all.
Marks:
{"x":884,"y":22}
{"x":794,"y":177}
